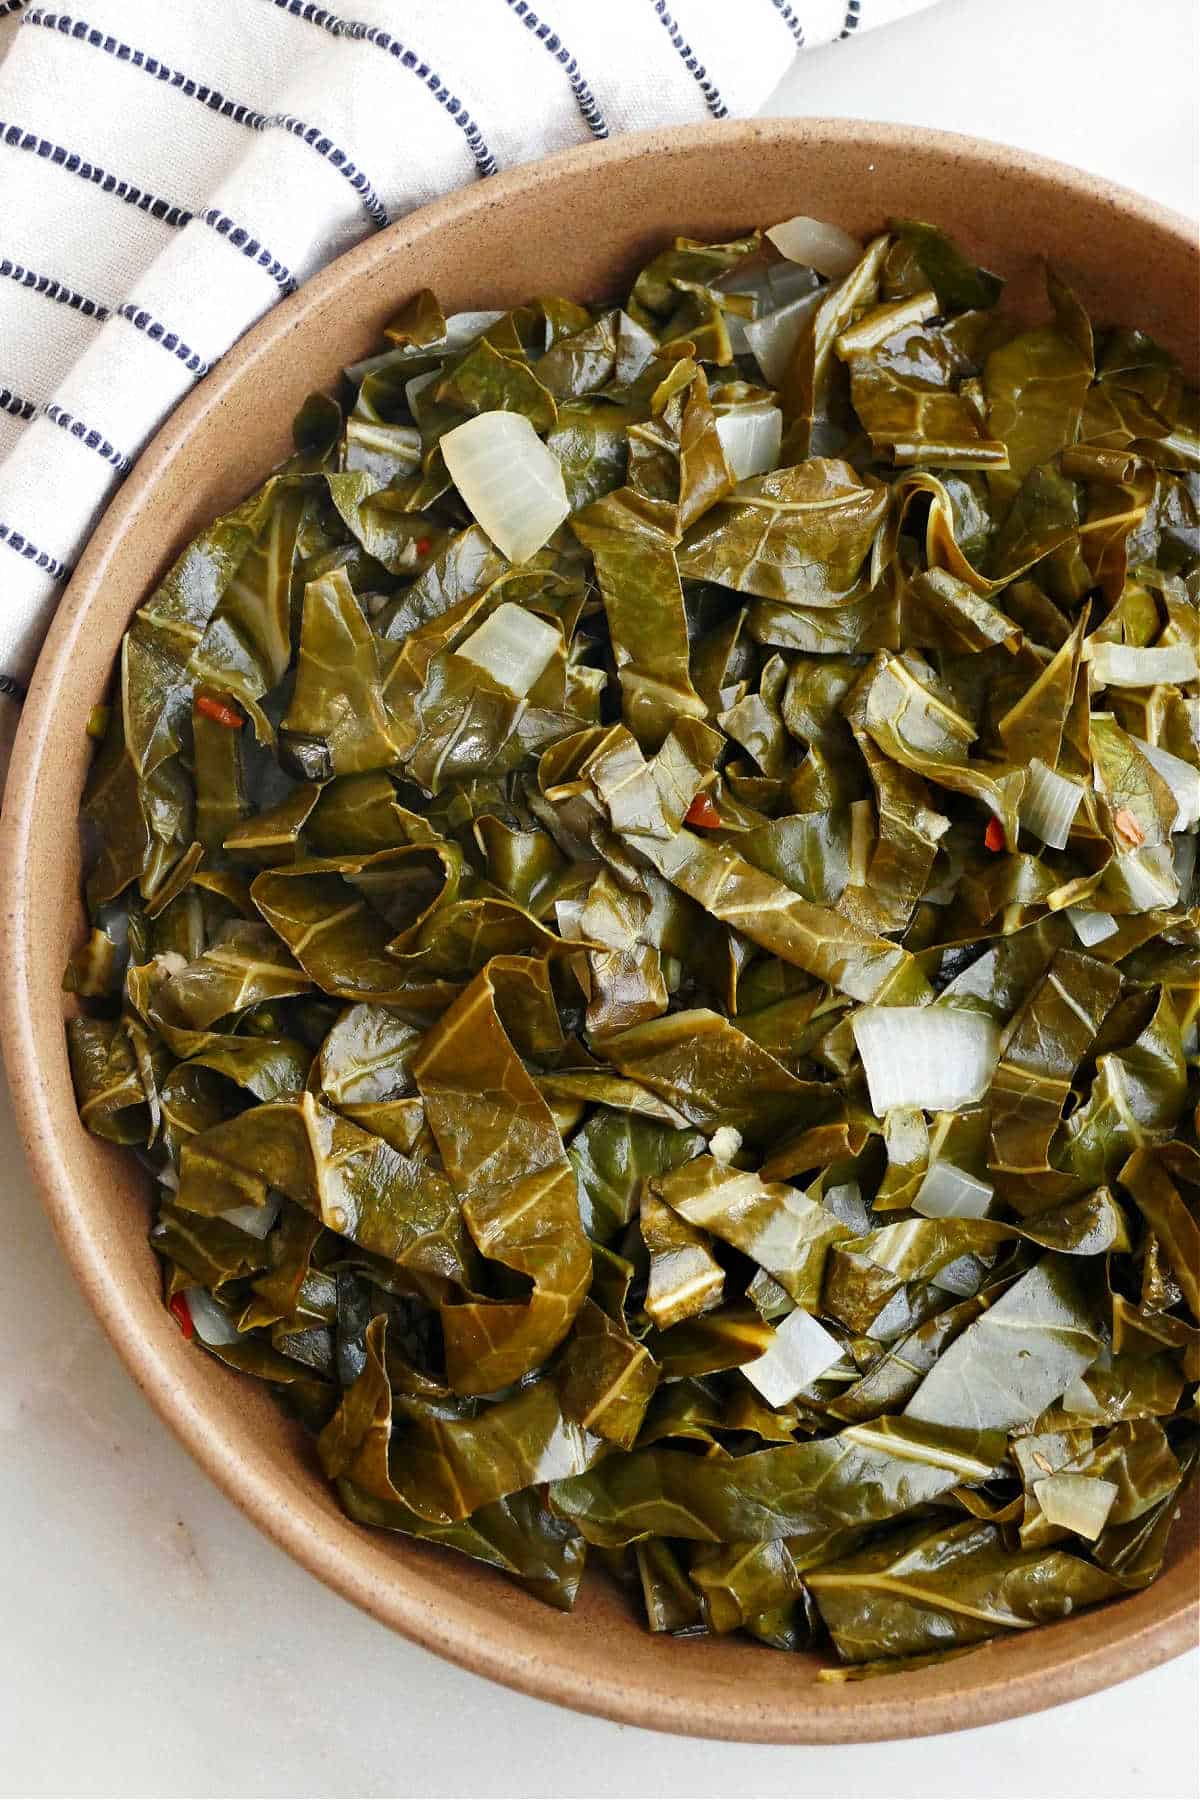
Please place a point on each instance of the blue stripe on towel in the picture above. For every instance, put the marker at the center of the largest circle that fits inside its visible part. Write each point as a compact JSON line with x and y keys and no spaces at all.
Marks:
{"x":87,"y":436}
{"x":16,"y":404}
{"x":249,"y":246}
{"x":51,"y":289}
{"x":157,"y":332}
{"x":359,"y":32}
{"x":21,"y":546}
{"x":79,"y":31}
{"x":588,"y":105}
{"x":790,"y":20}
{"x":695,"y":68}
{"x":15,"y":138}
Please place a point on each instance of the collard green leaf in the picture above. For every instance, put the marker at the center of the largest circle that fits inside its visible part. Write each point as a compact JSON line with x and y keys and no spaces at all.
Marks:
{"x":804,"y":394}
{"x":613,"y":1154}
{"x":502,"y":1151}
{"x":924,"y":1589}
{"x":959,"y":285}
{"x":809,"y":1492}
{"x":639,"y":581}
{"x":783,"y":1230}
{"x":608,"y":1378}
{"x":1008,"y":1365}
{"x":799,"y":535}
{"x":771,"y":915}
{"x":709,"y":1071}
{"x":336,"y":723}
{"x":396,"y":1207}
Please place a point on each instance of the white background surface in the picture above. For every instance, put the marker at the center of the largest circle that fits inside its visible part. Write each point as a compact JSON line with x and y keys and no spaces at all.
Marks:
{"x":153,"y":1644}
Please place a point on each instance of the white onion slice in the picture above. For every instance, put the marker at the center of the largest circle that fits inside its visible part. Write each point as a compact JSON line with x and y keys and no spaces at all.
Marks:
{"x":1091,"y":927}
{"x":935,"y":1057}
{"x":514,"y":646}
{"x":1182,"y":779}
{"x":1079,"y":1503}
{"x":800,"y":1352}
{"x":1128,"y":665}
{"x":211,"y":1322}
{"x":846,"y":1203}
{"x":816,"y":244}
{"x":750,"y":437}
{"x":1049,"y":804}
{"x":256,"y":1221}
{"x":725,"y":1141}
{"x":508,"y":478}
{"x":773,"y":337}
{"x":1078,"y":1398}
{"x":964,"y":1276}
{"x":948,"y":1192}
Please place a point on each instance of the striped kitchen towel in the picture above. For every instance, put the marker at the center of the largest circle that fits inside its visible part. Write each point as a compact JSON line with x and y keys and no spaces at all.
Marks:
{"x":170,"y":168}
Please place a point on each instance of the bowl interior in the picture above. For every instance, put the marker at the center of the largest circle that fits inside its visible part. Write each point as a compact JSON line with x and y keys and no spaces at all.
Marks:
{"x":577,"y":225}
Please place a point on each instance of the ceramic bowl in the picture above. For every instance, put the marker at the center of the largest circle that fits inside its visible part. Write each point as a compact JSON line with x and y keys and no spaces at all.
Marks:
{"x":580,"y":224}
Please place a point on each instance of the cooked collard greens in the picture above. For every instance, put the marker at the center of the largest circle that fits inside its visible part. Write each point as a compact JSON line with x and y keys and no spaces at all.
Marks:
{"x":644,"y":917}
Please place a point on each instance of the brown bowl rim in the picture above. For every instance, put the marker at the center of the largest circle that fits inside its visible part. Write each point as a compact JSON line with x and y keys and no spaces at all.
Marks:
{"x":818,"y":1715}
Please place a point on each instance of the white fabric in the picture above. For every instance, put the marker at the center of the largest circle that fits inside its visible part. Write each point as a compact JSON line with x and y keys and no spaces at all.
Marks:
{"x":203,"y":107}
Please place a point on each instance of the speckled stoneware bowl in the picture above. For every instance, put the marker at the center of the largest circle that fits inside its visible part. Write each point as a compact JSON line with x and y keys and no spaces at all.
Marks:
{"x":577,"y":224}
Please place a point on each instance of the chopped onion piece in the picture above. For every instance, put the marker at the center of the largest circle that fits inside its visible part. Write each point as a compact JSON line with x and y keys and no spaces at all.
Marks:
{"x":964,"y":1276}
{"x":750,"y":437}
{"x":508,"y":478}
{"x":935,"y":1057}
{"x":1182,"y":779}
{"x":1091,"y":927}
{"x":1128,"y":665}
{"x":948,"y":1192}
{"x":212,"y":1323}
{"x":816,"y":244}
{"x":800,"y":1351}
{"x":893,"y":1320}
{"x":724,"y":1143}
{"x":254,"y":1220}
{"x":416,"y":387}
{"x":773,"y":337}
{"x":846,"y":1203}
{"x":1049,"y":804}
{"x":1078,"y":1398}
{"x":1080,"y":1503}
{"x":514,"y":646}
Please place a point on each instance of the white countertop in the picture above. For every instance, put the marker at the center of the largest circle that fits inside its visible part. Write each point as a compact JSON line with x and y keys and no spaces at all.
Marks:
{"x":154,"y":1644}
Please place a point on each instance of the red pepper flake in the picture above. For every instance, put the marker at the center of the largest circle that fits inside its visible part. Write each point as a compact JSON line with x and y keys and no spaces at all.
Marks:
{"x":993,"y":837}
{"x":218,"y":711}
{"x":424,"y":546}
{"x":1128,"y":827}
{"x":702,"y":812}
{"x":179,"y":1309}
